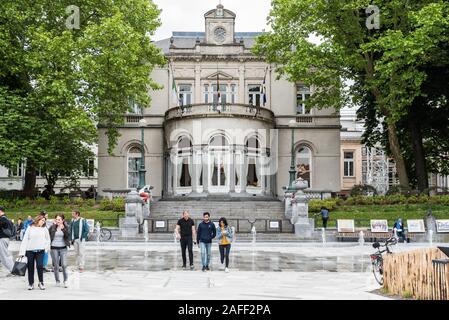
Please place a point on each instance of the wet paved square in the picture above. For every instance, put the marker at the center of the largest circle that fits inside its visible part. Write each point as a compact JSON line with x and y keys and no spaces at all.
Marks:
{"x":265,"y":271}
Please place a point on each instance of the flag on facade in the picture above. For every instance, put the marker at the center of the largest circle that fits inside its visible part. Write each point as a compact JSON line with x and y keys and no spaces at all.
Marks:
{"x":218,"y":89}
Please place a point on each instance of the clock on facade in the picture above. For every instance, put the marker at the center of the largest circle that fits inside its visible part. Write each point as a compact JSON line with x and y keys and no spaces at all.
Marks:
{"x":220,"y":34}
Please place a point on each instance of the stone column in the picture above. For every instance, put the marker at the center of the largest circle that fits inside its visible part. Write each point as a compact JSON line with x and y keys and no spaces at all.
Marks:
{"x":197,"y":97}
{"x":196,"y":169}
{"x":241,"y":91}
{"x":206,"y":178}
{"x":232,"y":171}
{"x":243,"y":169}
{"x":169,"y":180}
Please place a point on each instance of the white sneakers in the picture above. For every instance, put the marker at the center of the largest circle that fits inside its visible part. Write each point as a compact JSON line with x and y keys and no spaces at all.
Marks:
{"x":31,"y":287}
{"x":226,"y":270}
{"x":41,"y":286}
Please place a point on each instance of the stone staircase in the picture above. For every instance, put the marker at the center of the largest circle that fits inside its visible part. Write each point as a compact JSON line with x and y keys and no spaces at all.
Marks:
{"x":230,"y":209}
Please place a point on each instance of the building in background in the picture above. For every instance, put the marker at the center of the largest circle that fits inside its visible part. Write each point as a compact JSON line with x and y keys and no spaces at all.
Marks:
{"x":222,"y":124}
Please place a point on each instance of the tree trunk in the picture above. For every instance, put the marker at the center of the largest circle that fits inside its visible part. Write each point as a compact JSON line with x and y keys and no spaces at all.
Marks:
{"x":419,"y":154}
{"x":29,"y":188}
{"x":397,"y":156}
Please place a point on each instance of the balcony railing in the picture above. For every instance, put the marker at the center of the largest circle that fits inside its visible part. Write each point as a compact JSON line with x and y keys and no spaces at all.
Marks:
{"x":220,"y":110}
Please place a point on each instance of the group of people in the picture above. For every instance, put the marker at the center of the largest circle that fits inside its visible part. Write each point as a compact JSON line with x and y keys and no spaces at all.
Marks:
{"x":203,"y":237}
{"x":38,"y":242}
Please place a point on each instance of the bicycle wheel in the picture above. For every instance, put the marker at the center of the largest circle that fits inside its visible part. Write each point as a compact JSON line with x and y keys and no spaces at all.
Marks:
{"x":105,"y":234}
{"x":378,"y":271}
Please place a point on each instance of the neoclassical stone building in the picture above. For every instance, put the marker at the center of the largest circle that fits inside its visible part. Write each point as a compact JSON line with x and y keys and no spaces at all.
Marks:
{"x":222,"y":125}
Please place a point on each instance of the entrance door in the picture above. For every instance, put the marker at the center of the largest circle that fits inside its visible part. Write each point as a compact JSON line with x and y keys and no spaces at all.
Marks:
{"x":219,"y":172}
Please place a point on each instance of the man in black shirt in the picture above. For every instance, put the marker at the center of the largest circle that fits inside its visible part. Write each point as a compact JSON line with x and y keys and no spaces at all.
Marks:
{"x":185,"y":232}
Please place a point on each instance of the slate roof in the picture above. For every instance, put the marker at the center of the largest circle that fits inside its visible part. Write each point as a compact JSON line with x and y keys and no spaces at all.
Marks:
{"x":187,"y":39}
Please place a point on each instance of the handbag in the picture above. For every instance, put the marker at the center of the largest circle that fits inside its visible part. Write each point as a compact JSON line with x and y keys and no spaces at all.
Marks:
{"x":19,"y":268}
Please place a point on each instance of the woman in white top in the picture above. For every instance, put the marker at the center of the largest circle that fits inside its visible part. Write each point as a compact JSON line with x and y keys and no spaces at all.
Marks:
{"x":36,"y":241}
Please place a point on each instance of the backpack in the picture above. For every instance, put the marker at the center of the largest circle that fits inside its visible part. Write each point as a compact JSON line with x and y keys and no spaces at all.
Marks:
{"x":11,"y":230}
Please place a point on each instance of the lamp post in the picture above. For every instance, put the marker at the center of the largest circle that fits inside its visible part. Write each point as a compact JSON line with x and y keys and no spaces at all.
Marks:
{"x":142,"y":125}
{"x":292,"y":170}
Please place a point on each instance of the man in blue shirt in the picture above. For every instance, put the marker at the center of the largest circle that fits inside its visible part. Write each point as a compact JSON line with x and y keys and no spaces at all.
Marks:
{"x":206,"y":232}
{"x":324,"y":216}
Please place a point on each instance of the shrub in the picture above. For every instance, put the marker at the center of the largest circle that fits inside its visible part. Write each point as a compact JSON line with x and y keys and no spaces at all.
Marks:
{"x":41,"y":201}
{"x":363,"y":190}
{"x":54,"y":201}
{"x":106,"y":205}
{"x":78,"y":202}
{"x":66,"y":200}
{"x":315,"y":205}
{"x":90,"y":202}
{"x":118,"y":204}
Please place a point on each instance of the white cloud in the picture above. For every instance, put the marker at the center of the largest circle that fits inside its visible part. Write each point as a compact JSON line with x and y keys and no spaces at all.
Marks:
{"x":188,"y":15}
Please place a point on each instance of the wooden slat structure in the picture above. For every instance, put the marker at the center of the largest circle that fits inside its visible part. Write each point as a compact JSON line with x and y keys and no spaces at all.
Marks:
{"x":420,"y":274}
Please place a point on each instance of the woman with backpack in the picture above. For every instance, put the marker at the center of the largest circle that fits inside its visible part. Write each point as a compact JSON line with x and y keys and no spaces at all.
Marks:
{"x":36,"y":241}
{"x":224,"y":235}
{"x":60,"y":241}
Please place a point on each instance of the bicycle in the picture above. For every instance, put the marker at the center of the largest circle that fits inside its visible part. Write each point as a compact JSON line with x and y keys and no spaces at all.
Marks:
{"x":377,"y":260}
{"x":105,"y":235}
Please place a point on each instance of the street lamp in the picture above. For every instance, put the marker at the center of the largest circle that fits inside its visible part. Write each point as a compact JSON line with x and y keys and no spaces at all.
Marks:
{"x":142,"y":125}
{"x":292,"y":170}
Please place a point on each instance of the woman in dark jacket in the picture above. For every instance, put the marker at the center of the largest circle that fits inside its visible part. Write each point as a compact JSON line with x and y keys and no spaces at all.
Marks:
{"x":60,"y":240}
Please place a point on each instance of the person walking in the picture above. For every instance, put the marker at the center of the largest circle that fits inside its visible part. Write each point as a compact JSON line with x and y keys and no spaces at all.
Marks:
{"x":60,"y":240}
{"x":185,"y":233}
{"x":79,"y":230}
{"x":204,"y":235}
{"x":46,"y":254}
{"x":224,"y":236}
{"x":28,"y":222}
{"x":36,"y":241}
{"x":324,"y":212}
{"x":19,"y":229}
{"x":6,"y":231}
{"x":398,"y":229}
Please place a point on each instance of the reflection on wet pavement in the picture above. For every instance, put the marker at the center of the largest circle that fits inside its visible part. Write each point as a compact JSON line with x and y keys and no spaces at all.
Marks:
{"x":241,"y":260}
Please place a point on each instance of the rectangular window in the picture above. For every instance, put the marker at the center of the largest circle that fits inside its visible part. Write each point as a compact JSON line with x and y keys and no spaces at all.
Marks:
{"x":18,"y":170}
{"x":221,"y":96}
{"x":302,"y":95}
{"x":133,"y":172}
{"x":233,"y":93}
{"x":89,"y":168}
{"x":206,"y":93}
{"x":134,"y":108}
{"x":185,"y":94}
{"x":255,"y":95}
{"x":349,"y":164}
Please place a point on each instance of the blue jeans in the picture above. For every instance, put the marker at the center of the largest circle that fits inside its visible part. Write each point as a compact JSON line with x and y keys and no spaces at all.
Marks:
{"x":205,"y":253}
{"x":45,"y":259}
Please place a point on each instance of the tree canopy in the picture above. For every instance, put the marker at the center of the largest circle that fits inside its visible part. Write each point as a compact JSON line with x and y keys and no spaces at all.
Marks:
{"x":381,"y":69}
{"x":57,"y":81}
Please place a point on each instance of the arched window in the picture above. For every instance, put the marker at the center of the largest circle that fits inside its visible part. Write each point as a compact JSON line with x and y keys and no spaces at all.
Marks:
{"x":184,"y":161}
{"x":134,"y":161}
{"x":253,"y":152}
{"x":304,"y":164}
{"x":218,"y":141}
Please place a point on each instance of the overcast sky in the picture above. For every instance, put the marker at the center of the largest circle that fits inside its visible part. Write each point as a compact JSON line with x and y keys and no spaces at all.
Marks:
{"x":188,"y":15}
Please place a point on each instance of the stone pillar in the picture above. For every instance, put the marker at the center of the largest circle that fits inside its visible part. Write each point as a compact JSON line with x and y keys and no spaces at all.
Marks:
{"x":196,"y":169}
{"x":241,"y":91}
{"x":232,"y":171}
{"x":298,"y":213}
{"x":169,"y":180}
{"x":197,"y":97}
{"x":129,"y":227}
{"x":206,"y":178}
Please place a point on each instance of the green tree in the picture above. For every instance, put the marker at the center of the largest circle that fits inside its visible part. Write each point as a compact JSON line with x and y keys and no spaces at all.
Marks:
{"x":380,"y":66}
{"x":61,"y":82}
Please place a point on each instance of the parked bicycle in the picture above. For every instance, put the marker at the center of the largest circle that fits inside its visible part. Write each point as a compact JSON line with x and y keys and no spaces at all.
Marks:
{"x":377,"y":260}
{"x":105,"y":235}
